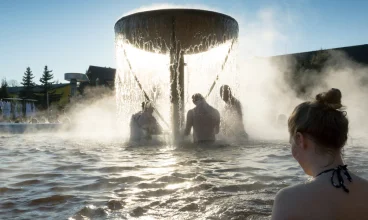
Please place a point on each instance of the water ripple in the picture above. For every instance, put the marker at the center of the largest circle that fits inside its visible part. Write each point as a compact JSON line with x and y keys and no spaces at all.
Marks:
{"x":51,"y":200}
{"x":28,"y":182}
{"x":44,"y":175}
{"x":9,"y":190}
{"x":58,"y":177}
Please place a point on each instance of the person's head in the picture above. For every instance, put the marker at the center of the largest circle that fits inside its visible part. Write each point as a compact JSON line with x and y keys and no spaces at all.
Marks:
{"x":225,"y":93}
{"x":197,"y":98}
{"x":147,"y":107}
{"x":318,"y":127}
{"x":281,"y":119}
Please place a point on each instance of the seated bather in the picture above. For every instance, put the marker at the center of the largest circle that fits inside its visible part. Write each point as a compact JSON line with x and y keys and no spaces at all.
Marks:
{"x":318,"y":132}
{"x":204,"y":119}
{"x":143,"y":124}
{"x":281,"y":120}
{"x":232,"y":116}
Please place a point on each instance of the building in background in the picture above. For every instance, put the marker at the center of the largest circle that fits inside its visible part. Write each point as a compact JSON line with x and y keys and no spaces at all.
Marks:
{"x":101,"y":76}
{"x":305,"y":71}
{"x":58,"y":94}
{"x":358,"y":53}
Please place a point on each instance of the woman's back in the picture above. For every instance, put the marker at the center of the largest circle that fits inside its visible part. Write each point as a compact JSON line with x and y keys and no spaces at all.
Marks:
{"x":319,"y":199}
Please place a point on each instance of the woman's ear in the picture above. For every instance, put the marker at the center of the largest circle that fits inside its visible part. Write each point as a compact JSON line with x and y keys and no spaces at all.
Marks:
{"x":300,"y":140}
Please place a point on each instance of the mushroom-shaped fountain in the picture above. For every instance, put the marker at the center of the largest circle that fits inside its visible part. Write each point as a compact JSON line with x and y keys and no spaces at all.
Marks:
{"x":176,"y":32}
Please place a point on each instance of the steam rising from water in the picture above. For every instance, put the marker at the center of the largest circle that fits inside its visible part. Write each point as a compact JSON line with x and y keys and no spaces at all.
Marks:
{"x":94,"y":116}
{"x":351,"y":78}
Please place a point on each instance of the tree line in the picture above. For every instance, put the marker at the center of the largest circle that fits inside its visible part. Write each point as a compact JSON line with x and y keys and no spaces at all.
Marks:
{"x":29,"y":85}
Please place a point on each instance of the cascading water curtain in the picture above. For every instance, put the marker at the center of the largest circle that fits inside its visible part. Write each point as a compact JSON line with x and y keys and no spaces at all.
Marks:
{"x":151,"y":71}
{"x":202,"y":70}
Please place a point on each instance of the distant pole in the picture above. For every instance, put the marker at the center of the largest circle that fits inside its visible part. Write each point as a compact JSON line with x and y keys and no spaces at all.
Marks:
{"x":47,"y":102}
{"x":73,"y":87}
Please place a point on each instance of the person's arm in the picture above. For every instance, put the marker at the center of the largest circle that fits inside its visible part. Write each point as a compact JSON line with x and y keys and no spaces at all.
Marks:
{"x":239,"y":109}
{"x":189,"y":123}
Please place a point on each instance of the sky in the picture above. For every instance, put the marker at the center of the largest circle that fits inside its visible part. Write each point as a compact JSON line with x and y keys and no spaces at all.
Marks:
{"x":70,"y":35}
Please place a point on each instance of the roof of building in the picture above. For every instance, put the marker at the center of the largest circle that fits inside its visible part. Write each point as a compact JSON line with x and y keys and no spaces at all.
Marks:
{"x":359,"y":53}
{"x":102,"y":73}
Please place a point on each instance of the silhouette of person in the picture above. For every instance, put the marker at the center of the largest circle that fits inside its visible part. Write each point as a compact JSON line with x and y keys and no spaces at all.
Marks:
{"x":204,"y":119}
{"x":281,"y":120}
{"x":143,"y":124}
{"x":232,"y":120}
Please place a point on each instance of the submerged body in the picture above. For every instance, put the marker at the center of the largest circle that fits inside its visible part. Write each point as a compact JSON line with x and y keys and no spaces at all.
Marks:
{"x":205,"y":121}
{"x":136,"y":132}
{"x":143,"y":125}
{"x":232,"y":121}
{"x":232,"y":125}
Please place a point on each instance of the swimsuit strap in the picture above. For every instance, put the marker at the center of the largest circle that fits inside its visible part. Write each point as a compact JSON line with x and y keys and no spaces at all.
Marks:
{"x":340,"y":179}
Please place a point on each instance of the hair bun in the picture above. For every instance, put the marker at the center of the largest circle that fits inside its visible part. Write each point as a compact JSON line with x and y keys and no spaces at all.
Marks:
{"x":331,"y":98}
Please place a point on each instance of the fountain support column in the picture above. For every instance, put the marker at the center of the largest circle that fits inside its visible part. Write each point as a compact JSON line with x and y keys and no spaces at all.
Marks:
{"x":176,"y":85}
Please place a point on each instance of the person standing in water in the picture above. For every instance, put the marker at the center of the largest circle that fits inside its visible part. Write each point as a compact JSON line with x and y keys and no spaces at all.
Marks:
{"x":143,"y":124}
{"x":318,"y":132}
{"x":204,"y":119}
{"x":232,"y":120}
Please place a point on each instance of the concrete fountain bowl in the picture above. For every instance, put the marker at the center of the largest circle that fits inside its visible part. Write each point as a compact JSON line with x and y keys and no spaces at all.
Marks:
{"x":193,"y":30}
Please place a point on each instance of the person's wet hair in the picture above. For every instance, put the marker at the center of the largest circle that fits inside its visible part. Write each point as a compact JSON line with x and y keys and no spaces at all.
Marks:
{"x":197,"y":97}
{"x":146,"y":105}
{"x":323,"y":120}
{"x":225,"y":92}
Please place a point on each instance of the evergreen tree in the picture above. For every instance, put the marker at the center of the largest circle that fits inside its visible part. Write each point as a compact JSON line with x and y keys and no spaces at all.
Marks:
{"x":28,"y":78}
{"x":46,"y":83}
{"x":4,"y":89}
{"x":45,"y":79}
{"x":28,"y":84}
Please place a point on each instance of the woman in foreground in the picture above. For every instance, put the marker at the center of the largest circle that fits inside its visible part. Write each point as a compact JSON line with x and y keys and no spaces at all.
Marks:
{"x":318,"y":132}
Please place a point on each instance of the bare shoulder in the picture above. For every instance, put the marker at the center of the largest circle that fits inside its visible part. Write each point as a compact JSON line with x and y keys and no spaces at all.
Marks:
{"x":217,"y":111}
{"x":287,"y":202}
{"x":361,"y":179}
{"x":361,"y":184}
{"x":291,"y":202}
{"x":290,"y":191}
{"x":237,"y":103}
